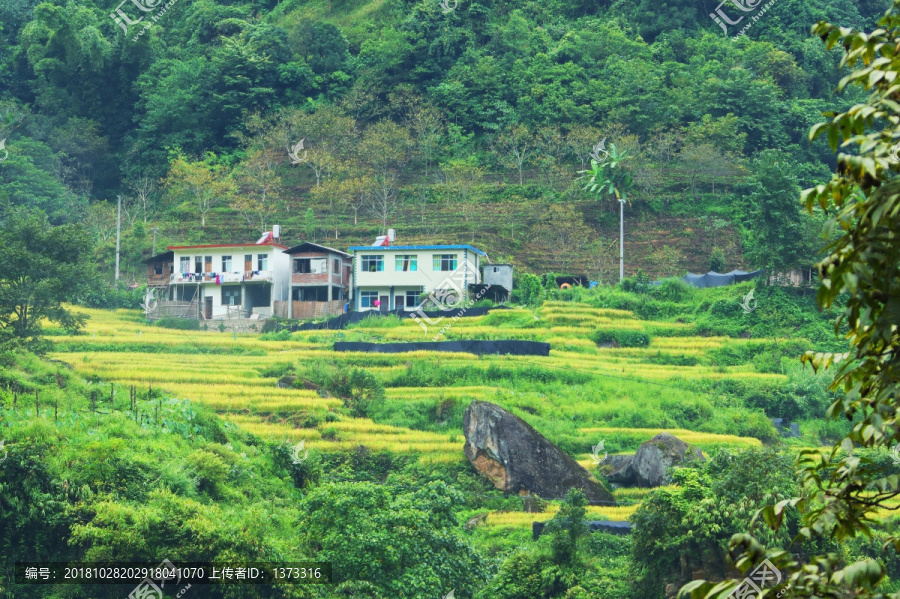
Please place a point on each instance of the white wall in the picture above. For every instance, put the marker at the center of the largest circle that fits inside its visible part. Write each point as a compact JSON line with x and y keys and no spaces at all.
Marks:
{"x":425,"y":276}
{"x":279,"y":264}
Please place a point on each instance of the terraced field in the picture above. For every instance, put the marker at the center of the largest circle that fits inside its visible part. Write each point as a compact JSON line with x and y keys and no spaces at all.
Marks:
{"x":578,"y":395}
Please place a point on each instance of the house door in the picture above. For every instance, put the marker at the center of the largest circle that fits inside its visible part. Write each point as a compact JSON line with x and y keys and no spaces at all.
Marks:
{"x":207,"y":312}
{"x":385,"y":304}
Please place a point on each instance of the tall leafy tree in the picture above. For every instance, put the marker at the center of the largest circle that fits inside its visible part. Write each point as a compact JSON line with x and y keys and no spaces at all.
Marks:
{"x":44,"y":268}
{"x":843,"y":491}
{"x":202,"y":182}
{"x":774,"y":221}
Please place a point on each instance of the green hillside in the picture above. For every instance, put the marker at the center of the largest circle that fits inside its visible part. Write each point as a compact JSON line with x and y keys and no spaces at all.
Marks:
{"x":511,"y":126}
{"x":205,"y":445}
{"x":455,"y":125}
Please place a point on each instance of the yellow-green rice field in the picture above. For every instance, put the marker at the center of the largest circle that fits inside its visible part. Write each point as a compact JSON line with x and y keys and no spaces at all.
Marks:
{"x":226,"y":372}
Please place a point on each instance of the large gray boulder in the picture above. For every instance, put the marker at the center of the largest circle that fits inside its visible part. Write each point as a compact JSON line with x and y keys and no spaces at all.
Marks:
{"x":651,"y":463}
{"x":518,"y":459}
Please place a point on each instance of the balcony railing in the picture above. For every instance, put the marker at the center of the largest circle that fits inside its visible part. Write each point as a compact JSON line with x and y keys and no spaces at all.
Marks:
{"x":221,"y":277}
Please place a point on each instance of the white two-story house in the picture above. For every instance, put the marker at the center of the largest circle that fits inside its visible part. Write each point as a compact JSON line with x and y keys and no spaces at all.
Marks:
{"x":395,"y":277}
{"x":229,"y":280}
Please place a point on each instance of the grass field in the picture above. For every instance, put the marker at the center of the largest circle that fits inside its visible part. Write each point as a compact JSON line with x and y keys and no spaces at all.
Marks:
{"x":578,"y":395}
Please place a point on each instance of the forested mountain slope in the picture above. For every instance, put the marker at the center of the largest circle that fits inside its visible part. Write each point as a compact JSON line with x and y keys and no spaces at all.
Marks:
{"x":461,"y":121}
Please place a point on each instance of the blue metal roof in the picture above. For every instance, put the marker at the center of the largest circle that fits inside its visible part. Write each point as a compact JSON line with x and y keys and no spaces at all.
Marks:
{"x":360,"y":248}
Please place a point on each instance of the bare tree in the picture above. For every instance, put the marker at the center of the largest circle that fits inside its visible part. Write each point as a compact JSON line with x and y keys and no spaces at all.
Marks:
{"x":101,"y":222}
{"x":145,"y":190}
{"x":431,"y":224}
{"x":427,"y":126}
{"x":259,"y":188}
{"x":580,"y":141}
{"x":462,"y":177}
{"x":561,"y":236}
{"x":513,"y":146}
{"x":550,"y":146}
{"x":383,"y":151}
{"x":383,"y":196}
{"x":327,"y":135}
{"x":203,"y":181}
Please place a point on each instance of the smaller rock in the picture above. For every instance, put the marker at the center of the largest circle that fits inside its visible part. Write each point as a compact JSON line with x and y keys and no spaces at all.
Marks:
{"x":286,"y":382}
{"x":649,"y":467}
{"x":475,"y":521}
{"x":615,"y":468}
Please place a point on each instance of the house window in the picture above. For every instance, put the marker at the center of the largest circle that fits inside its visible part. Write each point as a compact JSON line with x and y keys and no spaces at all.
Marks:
{"x":158,"y":268}
{"x":367,"y":299}
{"x":496,"y":269}
{"x":226,"y":263}
{"x":406,"y":263}
{"x":301,"y":265}
{"x":198,"y":264}
{"x":185,"y":264}
{"x":445,"y":262}
{"x":336,"y":269}
{"x":373,"y":263}
{"x":231,"y":296}
{"x":412,"y":298}
{"x":262,"y":262}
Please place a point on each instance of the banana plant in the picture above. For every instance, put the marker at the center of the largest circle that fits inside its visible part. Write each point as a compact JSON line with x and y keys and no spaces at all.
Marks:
{"x":607,"y":176}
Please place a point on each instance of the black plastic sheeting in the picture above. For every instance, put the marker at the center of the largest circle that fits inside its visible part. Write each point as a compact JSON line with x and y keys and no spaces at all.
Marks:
{"x":714,"y":279}
{"x":511,"y":347}
{"x":343,"y":320}
{"x":610,"y":526}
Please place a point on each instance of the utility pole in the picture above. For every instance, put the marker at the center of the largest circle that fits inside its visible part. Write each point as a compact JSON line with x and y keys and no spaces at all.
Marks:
{"x":155,"y":231}
{"x":621,"y":240}
{"x":118,"y":234}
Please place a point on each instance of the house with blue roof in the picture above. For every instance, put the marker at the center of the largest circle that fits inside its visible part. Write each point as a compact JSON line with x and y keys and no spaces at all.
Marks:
{"x":389,"y":277}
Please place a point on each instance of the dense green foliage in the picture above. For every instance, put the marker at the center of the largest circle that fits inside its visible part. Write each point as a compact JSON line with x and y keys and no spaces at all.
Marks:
{"x":42,"y":268}
{"x":463,"y":124}
{"x":87,"y":478}
{"x":436,"y":121}
{"x":842,"y":488}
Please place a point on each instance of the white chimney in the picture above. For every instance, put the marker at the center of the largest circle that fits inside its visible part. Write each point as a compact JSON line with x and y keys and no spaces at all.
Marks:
{"x":276,"y":231}
{"x":392,"y":235}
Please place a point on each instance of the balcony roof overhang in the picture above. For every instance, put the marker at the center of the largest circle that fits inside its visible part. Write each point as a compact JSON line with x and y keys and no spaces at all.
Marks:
{"x":314,"y":247}
{"x":163,"y":257}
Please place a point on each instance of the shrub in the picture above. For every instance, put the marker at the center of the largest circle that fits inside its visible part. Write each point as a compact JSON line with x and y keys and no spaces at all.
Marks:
{"x":211,"y":471}
{"x":717,"y":260}
{"x":375,"y":321}
{"x":361,"y":391}
{"x":282,"y":335}
{"x":639,"y":283}
{"x":185,"y":324}
{"x":674,"y":290}
{"x":101,"y":294}
{"x":528,"y":290}
{"x":621,"y":338}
